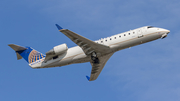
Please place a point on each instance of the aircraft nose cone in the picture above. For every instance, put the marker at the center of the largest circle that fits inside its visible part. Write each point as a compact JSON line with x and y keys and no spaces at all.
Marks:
{"x":165,"y":33}
{"x":168,"y":31}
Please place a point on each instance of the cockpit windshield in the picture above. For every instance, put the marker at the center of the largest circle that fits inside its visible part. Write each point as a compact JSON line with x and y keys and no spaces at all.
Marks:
{"x":150,"y":27}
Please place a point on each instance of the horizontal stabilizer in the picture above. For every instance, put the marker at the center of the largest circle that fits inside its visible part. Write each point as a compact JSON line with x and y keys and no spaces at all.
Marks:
{"x":17,"y":47}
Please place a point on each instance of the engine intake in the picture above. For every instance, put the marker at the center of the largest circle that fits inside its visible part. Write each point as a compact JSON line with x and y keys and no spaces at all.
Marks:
{"x":60,"y":49}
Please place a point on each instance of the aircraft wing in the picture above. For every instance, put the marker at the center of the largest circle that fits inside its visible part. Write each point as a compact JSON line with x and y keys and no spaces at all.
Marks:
{"x":87,"y":45}
{"x":97,"y":68}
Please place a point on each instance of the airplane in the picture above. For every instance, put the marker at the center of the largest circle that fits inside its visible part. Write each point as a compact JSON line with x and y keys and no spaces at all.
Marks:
{"x":96,"y":52}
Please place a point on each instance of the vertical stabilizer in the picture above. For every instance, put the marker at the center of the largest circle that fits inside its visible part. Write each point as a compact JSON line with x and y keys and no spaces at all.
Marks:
{"x":28,"y":53}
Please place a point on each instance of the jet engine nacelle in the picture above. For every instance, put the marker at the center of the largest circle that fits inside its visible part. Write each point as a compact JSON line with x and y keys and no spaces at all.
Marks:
{"x":60,"y":49}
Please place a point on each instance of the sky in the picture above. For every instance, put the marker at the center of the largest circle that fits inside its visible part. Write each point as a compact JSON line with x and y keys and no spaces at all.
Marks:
{"x":148,"y":72}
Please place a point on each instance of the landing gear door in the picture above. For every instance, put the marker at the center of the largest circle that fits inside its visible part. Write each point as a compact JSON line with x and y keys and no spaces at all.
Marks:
{"x":139,"y":33}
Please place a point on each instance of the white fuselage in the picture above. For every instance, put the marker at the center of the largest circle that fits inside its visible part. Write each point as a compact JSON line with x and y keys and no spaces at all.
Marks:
{"x":115,"y":42}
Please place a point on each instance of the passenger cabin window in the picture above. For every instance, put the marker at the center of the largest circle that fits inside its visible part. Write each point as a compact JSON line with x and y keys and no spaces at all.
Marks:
{"x":150,"y":27}
{"x":119,"y":35}
{"x":129,"y":33}
{"x":124,"y":34}
{"x":114,"y":37}
{"x":110,"y":38}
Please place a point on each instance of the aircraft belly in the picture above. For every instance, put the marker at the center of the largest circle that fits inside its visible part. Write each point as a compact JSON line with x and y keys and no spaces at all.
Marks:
{"x":81,"y":58}
{"x":36,"y":64}
{"x":150,"y":37}
{"x":134,"y":41}
{"x":59,"y":63}
{"x":74,"y":55}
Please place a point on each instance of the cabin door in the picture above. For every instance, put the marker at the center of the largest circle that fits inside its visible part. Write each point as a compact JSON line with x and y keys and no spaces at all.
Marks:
{"x":139,"y":33}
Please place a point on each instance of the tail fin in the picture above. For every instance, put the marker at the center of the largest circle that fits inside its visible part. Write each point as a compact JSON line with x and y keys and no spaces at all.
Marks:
{"x":28,"y":53}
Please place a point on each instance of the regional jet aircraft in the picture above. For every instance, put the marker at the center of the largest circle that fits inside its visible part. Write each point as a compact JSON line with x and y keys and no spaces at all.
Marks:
{"x":96,"y":52}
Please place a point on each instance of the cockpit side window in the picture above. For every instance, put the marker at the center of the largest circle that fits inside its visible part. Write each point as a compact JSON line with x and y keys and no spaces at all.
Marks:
{"x":150,"y":27}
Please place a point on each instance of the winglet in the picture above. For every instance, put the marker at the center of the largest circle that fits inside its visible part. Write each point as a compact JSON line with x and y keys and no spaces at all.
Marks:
{"x":88,"y":77}
{"x":59,"y":27}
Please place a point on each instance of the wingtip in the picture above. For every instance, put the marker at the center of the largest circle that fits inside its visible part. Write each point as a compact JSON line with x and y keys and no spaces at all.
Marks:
{"x":88,"y":77}
{"x":59,"y":27}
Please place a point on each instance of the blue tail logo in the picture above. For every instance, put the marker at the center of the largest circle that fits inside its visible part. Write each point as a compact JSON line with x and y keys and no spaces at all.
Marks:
{"x":34,"y":56}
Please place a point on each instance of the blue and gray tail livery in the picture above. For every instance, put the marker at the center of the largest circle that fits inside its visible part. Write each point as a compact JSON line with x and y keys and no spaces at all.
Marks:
{"x":28,"y":53}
